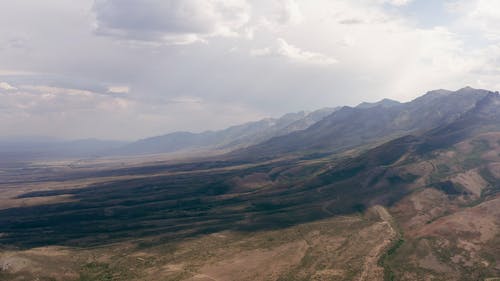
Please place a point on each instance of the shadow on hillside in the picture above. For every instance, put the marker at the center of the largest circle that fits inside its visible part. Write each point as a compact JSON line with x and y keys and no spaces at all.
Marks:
{"x":185,"y":205}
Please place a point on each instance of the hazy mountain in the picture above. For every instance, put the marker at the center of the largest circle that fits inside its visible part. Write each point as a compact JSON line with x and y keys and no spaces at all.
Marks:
{"x":228,"y":139}
{"x":350,"y":127}
{"x":44,"y":148}
{"x":382,"y":103}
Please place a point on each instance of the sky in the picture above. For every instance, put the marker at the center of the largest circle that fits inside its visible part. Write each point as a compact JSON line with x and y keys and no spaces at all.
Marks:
{"x":128,"y":69}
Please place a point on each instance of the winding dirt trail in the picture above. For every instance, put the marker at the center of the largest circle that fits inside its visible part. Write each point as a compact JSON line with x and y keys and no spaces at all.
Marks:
{"x":371,"y":270}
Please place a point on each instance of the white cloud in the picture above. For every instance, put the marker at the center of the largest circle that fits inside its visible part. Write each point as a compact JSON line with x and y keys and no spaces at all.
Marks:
{"x":293,"y":53}
{"x":186,"y":99}
{"x":395,"y":2}
{"x":486,"y":16}
{"x":399,"y":2}
{"x":367,"y":48}
{"x":51,"y":90}
{"x":170,"y":21}
{"x":118,"y":89}
{"x":289,"y":12}
{"x":6,"y":86}
{"x":75,"y":113}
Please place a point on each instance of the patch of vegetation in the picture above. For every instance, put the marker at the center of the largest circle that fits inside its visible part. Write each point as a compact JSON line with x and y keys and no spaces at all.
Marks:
{"x":359,"y":208}
{"x":409,"y":177}
{"x":494,"y":184}
{"x":450,"y":188}
{"x":480,"y":145}
{"x":473,"y":159}
{"x":388,"y":273}
{"x":443,"y":169}
{"x":398,"y":264}
{"x":95,"y":271}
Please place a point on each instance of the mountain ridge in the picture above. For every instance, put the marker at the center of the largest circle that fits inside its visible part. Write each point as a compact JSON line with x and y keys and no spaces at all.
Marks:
{"x":351,"y":126}
{"x":230,"y":138}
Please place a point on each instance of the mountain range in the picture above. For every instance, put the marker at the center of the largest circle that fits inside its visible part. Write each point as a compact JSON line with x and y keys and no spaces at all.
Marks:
{"x":240,"y":136}
{"x":324,"y":130}
{"x":350,"y":127}
{"x":234,"y":137}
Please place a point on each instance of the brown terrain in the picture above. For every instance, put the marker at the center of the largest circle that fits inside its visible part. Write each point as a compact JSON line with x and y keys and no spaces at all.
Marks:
{"x":447,"y":227}
{"x":334,"y":249}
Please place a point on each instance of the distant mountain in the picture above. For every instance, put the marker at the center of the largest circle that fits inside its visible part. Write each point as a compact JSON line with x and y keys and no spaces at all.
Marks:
{"x":234,"y":137}
{"x":349,"y":127}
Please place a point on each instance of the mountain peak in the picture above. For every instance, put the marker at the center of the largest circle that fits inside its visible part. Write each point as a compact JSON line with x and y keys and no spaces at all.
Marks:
{"x":434,"y":94}
{"x":430,"y":96}
{"x":383,"y":103}
{"x":489,"y":105}
{"x":467,"y":88}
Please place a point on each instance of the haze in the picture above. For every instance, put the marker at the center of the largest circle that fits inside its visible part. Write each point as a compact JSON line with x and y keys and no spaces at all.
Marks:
{"x":128,"y":69}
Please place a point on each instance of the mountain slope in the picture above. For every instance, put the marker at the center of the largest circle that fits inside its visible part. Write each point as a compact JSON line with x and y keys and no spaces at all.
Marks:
{"x":350,"y":127}
{"x":227,"y":139}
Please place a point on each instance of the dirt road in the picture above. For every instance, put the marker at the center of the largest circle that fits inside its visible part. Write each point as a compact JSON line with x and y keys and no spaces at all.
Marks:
{"x":371,"y":270}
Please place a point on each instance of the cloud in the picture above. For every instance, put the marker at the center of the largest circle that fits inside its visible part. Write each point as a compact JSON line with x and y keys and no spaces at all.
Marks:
{"x":118,"y":89}
{"x":52,"y":91}
{"x":288,"y":12}
{"x":186,"y":99}
{"x":482,"y":15}
{"x":36,"y":99}
{"x":351,"y":21}
{"x":397,"y":2}
{"x":170,"y":21}
{"x":293,"y":53}
{"x":76,"y":113}
{"x":7,"y":86}
{"x":124,"y":80}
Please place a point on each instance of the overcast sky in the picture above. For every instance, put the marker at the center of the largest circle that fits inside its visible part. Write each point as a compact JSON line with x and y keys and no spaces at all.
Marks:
{"x":127,"y":69}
